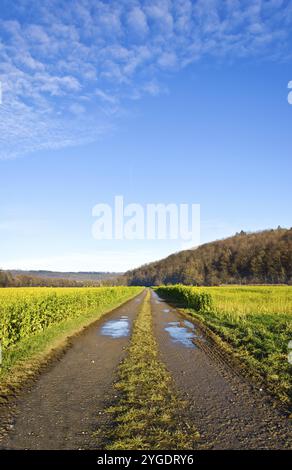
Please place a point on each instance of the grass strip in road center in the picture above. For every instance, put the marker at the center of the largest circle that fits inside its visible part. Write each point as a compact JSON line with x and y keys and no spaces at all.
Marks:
{"x":147,"y":413}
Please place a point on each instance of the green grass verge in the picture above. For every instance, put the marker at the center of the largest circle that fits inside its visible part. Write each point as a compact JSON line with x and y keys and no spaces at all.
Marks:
{"x":259,"y":342}
{"x":147,"y":414}
{"x":24,"y":360}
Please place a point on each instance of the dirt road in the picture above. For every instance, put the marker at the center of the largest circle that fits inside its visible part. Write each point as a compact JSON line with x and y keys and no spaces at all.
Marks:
{"x":228,"y":412}
{"x":62,"y":408}
{"x":65,"y":405}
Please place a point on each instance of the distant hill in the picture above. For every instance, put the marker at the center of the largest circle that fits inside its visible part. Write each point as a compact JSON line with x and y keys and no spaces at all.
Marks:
{"x":19,"y":278}
{"x":74,"y":276}
{"x":248,"y":258}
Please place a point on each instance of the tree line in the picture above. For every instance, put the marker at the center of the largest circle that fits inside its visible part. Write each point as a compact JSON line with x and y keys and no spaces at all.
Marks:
{"x":24,"y":280}
{"x":7,"y":279}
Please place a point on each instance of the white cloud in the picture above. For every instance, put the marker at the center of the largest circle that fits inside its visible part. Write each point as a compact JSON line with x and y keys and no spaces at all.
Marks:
{"x":153,"y":88}
{"x":138,"y":21}
{"x":105,"y":96}
{"x":96,"y":51}
{"x":37,"y":34}
{"x":167,"y":60}
{"x":77,"y":109}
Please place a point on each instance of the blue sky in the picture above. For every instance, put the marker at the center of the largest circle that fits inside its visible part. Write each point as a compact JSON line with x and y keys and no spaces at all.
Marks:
{"x":159,"y":101}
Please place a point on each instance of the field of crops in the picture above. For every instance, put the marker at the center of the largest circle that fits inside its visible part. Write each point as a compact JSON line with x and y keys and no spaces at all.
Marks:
{"x":27,"y":311}
{"x":254,"y":321}
{"x":35,"y":323}
{"x":241,"y":300}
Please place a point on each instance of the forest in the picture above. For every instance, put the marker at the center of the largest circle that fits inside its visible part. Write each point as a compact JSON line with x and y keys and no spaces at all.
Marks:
{"x":246,"y":258}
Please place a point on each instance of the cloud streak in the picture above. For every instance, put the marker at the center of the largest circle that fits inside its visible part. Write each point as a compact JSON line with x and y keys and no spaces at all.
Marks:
{"x":68,"y":68}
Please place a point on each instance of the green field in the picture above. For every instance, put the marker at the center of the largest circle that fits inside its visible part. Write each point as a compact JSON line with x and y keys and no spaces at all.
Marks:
{"x":35,"y":320}
{"x":242,"y":300}
{"x":254,"y":322}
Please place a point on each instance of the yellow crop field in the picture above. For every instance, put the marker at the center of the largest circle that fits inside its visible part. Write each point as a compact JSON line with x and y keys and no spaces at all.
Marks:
{"x":27,"y":311}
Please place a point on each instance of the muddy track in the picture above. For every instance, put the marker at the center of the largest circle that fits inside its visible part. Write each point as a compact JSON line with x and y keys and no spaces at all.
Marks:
{"x":65,"y":405}
{"x":227,"y":410}
{"x":63,"y":408}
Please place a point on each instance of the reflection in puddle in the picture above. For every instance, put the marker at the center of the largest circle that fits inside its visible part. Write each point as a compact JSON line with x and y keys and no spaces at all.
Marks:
{"x":156,"y":298}
{"x":189,"y":324}
{"x":116,"y":328}
{"x":166,"y":310}
{"x":181,"y":332}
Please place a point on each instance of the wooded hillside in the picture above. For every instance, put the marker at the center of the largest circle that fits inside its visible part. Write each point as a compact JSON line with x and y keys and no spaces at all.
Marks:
{"x":261,"y":257}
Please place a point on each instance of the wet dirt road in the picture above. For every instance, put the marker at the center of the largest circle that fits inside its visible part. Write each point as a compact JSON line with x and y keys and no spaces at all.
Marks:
{"x":228,"y":412}
{"x":65,"y":405}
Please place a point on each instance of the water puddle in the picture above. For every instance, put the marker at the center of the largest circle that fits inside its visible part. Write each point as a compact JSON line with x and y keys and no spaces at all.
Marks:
{"x":189,"y":324}
{"x":156,"y":298}
{"x":181,"y":332}
{"x":116,"y":328}
{"x":166,"y":310}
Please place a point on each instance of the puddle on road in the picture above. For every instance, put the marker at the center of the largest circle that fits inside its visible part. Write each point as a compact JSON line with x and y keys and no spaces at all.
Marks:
{"x":181,"y":332}
{"x":116,"y":328}
{"x":189,"y":324}
{"x":156,"y":298}
{"x":166,"y":310}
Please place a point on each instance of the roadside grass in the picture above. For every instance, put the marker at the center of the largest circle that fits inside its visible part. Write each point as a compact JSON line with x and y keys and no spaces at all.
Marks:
{"x":23,"y":360}
{"x":259,"y":341}
{"x":147,"y":413}
{"x":254,"y":324}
